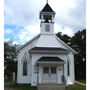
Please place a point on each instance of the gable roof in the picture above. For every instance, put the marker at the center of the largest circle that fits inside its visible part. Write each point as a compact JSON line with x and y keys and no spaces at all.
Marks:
{"x":47,"y":8}
{"x":50,"y":59}
{"x":28,"y":42}
{"x":61,"y":49}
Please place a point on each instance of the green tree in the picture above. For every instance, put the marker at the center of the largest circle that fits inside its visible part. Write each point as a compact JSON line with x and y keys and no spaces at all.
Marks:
{"x":64,"y":37}
{"x":78,"y":43}
{"x":10,"y":56}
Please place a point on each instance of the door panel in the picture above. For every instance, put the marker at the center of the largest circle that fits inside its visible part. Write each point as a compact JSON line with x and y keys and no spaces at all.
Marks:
{"x":49,"y":75}
{"x":45,"y":74}
{"x":53,"y":78}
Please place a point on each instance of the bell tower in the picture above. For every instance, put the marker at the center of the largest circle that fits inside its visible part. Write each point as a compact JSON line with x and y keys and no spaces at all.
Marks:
{"x":47,"y":20}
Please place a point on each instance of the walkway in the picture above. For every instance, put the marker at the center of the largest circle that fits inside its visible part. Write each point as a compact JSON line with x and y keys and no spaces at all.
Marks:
{"x":79,"y":83}
{"x":6,"y":84}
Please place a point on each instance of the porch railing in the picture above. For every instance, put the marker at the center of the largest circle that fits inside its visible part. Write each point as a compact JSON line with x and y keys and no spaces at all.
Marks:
{"x":64,"y":80}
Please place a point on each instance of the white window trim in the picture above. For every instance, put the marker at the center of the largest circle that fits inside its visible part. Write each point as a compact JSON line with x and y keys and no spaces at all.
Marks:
{"x":28,"y":61}
{"x":47,"y":28}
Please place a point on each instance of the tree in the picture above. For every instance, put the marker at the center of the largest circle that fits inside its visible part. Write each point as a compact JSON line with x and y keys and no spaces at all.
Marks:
{"x":64,"y":37}
{"x":78,"y":43}
{"x":10,"y":55}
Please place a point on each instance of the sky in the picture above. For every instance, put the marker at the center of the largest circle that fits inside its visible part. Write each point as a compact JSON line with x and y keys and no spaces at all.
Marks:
{"x":22,"y":23}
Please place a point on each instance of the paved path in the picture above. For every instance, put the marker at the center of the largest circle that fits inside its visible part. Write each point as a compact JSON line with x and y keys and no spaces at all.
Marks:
{"x":6,"y":84}
{"x":79,"y":83}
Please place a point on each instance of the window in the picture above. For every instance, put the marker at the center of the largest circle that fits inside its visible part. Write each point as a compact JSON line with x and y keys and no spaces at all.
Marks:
{"x":53,"y":70}
{"x":45,"y":70}
{"x":25,"y":67}
{"x":47,"y":28}
{"x":68,"y":67}
{"x":25,"y":61}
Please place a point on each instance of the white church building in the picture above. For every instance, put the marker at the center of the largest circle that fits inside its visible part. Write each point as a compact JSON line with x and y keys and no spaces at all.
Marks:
{"x":46,"y":58}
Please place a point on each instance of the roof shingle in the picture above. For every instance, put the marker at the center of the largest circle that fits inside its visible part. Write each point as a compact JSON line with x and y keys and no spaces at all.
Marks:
{"x":54,"y":59}
{"x":49,"y":49}
{"x":47,"y":8}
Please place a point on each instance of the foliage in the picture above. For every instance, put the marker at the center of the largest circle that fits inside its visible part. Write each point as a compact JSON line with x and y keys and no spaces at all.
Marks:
{"x":78,"y":43}
{"x":10,"y":55}
{"x":64,"y":37}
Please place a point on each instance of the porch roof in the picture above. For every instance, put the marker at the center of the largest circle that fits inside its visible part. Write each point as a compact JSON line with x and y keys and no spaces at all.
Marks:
{"x":49,"y":49}
{"x":50,"y":60}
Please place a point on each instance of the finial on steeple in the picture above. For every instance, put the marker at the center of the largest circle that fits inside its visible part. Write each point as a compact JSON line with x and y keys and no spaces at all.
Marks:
{"x":47,"y":1}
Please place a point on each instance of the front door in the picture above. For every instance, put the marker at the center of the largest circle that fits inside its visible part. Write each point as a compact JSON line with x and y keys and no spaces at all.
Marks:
{"x":49,"y":75}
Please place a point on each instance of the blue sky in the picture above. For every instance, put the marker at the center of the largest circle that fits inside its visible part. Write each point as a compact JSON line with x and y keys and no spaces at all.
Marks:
{"x":21,"y":18}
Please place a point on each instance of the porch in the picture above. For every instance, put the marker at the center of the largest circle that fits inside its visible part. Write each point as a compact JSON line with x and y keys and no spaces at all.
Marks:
{"x":51,"y":73}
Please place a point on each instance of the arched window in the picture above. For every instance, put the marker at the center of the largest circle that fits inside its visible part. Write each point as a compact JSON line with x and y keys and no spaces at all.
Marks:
{"x":25,"y":62}
{"x":68,"y":68}
{"x":25,"y":66}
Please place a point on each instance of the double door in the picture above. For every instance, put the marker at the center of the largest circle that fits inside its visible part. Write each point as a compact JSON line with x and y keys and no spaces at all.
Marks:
{"x":49,"y":75}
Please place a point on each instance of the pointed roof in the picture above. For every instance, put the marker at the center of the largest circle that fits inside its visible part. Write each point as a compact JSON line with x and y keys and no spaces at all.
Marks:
{"x":55,"y":59}
{"x":47,"y":8}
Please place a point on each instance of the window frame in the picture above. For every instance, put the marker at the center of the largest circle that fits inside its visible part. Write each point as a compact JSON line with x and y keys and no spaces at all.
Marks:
{"x":25,"y":56}
{"x":68,"y":67}
{"x":47,"y":28}
{"x":23,"y":67}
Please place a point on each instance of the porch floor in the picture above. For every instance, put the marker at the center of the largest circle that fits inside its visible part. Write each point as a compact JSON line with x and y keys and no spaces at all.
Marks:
{"x":51,"y":86}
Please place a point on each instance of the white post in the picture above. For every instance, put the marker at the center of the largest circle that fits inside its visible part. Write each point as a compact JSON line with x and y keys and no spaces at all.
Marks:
{"x":13,"y":81}
{"x":52,"y":18}
{"x":42,"y":18}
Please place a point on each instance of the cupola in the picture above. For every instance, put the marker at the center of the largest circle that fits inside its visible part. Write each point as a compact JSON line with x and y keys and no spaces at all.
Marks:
{"x":47,"y":20}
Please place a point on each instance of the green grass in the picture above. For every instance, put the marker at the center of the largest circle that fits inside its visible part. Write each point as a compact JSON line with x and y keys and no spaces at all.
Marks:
{"x":22,"y":87}
{"x":28,"y":87}
{"x":76,"y":87}
{"x":8,"y":80}
{"x":82,"y":81}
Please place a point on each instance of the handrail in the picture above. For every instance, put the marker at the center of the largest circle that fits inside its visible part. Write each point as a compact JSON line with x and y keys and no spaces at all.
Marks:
{"x":64,"y":80}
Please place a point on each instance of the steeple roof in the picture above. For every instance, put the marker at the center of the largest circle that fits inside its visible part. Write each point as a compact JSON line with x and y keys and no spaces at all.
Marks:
{"x":47,"y":8}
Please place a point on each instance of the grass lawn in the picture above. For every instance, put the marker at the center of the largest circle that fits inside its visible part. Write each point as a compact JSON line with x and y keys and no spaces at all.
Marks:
{"x":82,"y":81}
{"x":22,"y":87}
{"x":76,"y":87}
{"x":28,"y":87}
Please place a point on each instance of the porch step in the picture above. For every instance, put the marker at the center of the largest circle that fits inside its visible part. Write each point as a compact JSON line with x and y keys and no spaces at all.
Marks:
{"x":50,"y":87}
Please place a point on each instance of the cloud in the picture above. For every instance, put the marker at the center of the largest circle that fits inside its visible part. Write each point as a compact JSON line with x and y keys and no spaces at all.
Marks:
{"x":27,"y":12}
{"x":65,"y":30}
{"x":27,"y":33}
{"x":21,"y":13}
{"x":70,"y":16}
{"x":8,"y":31}
{"x":14,"y":42}
{"x":73,"y":18}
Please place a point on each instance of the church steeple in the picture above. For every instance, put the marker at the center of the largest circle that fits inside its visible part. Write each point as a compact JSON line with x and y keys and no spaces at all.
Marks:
{"x":47,"y":13}
{"x":47,"y":19}
{"x":47,"y":8}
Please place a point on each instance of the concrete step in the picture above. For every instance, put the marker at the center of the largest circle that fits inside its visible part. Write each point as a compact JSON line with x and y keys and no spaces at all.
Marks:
{"x":51,"y":87}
